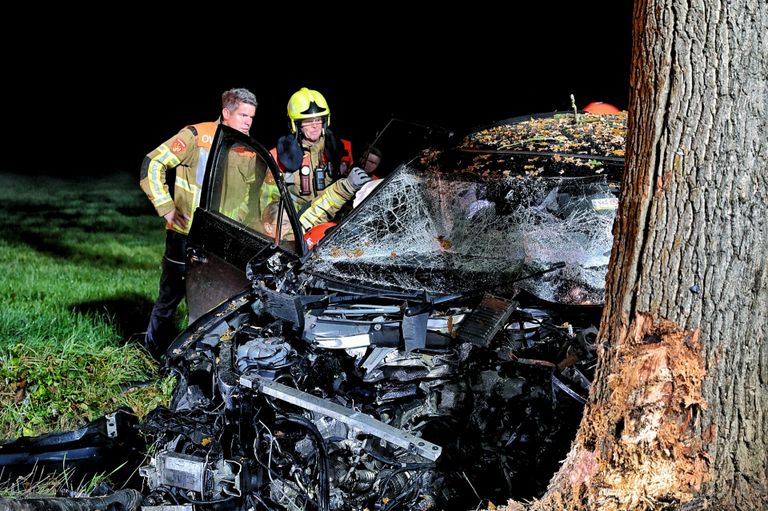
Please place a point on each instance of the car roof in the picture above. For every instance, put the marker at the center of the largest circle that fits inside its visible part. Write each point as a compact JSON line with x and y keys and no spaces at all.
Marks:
{"x":547,"y":144}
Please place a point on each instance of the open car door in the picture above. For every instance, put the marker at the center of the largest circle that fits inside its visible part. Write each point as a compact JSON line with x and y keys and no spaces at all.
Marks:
{"x":227,"y":231}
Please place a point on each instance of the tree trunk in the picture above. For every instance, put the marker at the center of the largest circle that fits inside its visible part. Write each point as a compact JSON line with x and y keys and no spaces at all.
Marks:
{"x":678,"y":414}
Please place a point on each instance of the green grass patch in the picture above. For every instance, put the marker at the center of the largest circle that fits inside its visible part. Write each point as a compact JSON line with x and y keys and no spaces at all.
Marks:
{"x":46,"y":485}
{"x":79,"y":269}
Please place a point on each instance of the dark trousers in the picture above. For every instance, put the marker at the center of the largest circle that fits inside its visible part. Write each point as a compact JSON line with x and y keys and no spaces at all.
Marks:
{"x":162,"y":322}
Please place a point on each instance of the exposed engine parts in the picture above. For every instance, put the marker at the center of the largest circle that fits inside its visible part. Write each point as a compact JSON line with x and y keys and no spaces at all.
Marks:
{"x":332,"y":411}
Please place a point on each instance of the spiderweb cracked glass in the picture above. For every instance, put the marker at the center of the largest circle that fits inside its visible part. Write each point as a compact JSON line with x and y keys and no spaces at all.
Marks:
{"x":448,"y":232}
{"x":571,"y":224}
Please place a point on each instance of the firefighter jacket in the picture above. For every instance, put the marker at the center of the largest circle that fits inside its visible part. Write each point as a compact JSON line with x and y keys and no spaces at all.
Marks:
{"x":187,"y":153}
{"x":291,"y":157}
{"x":327,"y":204}
{"x":237,"y":184}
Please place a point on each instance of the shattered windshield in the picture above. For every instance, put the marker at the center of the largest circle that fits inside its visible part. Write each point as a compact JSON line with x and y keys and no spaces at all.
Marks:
{"x":485,"y":217}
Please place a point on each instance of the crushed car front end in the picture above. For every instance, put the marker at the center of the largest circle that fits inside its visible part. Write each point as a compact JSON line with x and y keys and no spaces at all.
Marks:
{"x":433,"y":351}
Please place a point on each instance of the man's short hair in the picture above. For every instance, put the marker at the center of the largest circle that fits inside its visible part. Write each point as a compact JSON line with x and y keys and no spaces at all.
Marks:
{"x":232,"y":98}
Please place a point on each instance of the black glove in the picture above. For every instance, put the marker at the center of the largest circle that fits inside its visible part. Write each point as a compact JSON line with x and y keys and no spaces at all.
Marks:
{"x":357,"y":178}
{"x":289,"y":152}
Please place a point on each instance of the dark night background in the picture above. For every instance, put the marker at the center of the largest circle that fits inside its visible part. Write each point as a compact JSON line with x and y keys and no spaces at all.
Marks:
{"x":88,"y":98}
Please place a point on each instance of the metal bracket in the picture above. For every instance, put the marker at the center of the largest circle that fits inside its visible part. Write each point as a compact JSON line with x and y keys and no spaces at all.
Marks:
{"x":354,"y":419}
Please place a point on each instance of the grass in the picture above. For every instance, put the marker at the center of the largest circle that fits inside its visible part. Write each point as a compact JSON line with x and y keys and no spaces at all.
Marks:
{"x":35,"y":485}
{"x":79,"y":267}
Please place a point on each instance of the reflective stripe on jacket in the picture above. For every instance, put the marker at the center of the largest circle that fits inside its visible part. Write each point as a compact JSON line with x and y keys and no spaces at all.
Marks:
{"x":187,"y":153}
{"x":326,"y":205}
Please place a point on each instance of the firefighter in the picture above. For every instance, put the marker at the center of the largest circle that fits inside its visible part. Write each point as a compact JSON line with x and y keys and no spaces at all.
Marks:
{"x":187,"y":154}
{"x":311,"y":154}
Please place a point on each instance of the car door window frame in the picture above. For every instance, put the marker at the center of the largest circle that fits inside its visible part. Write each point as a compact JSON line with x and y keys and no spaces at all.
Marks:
{"x":224,"y":140}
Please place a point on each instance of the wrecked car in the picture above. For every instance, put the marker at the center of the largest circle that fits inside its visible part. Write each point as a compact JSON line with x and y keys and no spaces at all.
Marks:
{"x":433,"y":351}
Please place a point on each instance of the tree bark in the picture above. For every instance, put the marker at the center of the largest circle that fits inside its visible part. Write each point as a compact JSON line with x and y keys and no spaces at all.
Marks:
{"x":678,"y":413}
